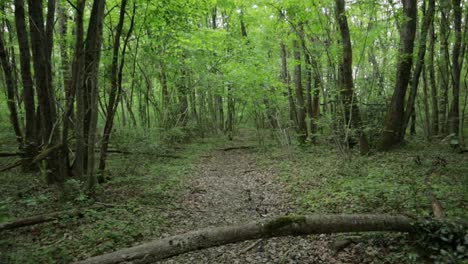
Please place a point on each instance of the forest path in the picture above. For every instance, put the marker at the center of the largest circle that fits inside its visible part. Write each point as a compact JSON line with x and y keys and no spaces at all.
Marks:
{"x":227,"y":187}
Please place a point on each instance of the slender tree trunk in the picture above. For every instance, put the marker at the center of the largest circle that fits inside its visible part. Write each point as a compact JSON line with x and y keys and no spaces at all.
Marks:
{"x":78,"y":90}
{"x":230,"y":112}
{"x":391,"y":134}
{"x":183,"y":98}
{"x":427,"y":118}
{"x":427,"y":20}
{"x":165,"y":96}
{"x":30,"y":134}
{"x":352,"y":113}
{"x":92,"y":58}
{"x":301,"y":108}
{"x":287,"y":82}
{"x":444,"y":65}
{"x":113,"y":95}
{"x":413,"y":123}
{"x":11,"y":88}
{"x":308,"y":75}
{"x":454,"y":114}
{"x":432,"y":82}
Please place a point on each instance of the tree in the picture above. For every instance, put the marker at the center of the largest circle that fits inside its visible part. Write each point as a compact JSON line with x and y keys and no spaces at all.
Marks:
{"x":351,"y":110}
{"x":425,"y":27}
{"x":42,"y":37}
{"x":301,"y":107}
{"x":30,"y":134}
{"x":454,"y":113}
{"x":391,"y":134}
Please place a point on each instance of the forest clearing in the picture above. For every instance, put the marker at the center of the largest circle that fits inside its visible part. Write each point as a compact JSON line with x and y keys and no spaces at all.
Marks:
{"x":233,"y":131}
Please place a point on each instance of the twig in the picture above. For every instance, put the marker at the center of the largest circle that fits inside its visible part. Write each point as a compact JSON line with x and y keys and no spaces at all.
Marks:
{"x":243,"y":251}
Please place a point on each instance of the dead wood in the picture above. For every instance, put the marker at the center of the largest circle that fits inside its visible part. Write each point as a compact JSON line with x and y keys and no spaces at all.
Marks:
{"x":265,"y":228}
{"x":9,"y":154}
{"x":42,"y":155}
{"x":39,"y":219}
{"x":237,"y":147}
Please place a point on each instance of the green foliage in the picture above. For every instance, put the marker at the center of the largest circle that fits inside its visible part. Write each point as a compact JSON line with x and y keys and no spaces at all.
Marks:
{"x":140,"y":187}
{"x":324,"y":181}
{"x":443,"y":242}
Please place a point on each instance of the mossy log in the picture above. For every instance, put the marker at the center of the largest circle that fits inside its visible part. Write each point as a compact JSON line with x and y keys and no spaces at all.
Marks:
{"x":265,"y":228}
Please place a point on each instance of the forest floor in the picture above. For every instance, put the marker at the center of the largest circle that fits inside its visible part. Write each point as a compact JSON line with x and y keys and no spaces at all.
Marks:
{"x":228,"y":187}
{"x":214,"y":182}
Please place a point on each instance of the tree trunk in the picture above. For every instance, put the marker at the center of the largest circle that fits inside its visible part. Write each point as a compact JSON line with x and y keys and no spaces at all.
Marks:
{"x":114,"y":89}
{"x":308,"y":73}
{"x":427,"y":117}
{"x":30,"y":134}
{"x":230,"y":112}
{"x":42,"y":38}
{"x":432,"y":82}
{"x":427,"y":20}
{"x":352,"y":113}
{"x":301,"y":108}
{"x":454,"y":114}
{"x":11,"y":89}
{"x":183,"y":98}
{"x":391,"y":134}
{"x":444,"y":65}
{"x":90,"y":86}
{"x":78,"y":91}
{"x":266,"y":228}
{"x":287,"y":82}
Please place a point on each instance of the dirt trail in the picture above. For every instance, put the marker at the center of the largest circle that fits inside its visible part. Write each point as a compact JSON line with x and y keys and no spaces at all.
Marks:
{"x":227,"y":187}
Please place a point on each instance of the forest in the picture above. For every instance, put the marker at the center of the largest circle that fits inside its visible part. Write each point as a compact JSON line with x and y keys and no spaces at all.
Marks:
{"x":233,"y":131}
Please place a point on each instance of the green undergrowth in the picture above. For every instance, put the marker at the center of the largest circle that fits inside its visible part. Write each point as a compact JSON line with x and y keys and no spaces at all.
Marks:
{"x":131,"y":207}
{"x":322,"y":180}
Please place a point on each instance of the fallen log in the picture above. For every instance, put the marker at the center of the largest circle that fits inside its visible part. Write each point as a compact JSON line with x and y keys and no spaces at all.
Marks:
{"x":265,"y":228}
{"x":237,"y":147}
{"x":39,"y":219}
{"x":9,"y":154}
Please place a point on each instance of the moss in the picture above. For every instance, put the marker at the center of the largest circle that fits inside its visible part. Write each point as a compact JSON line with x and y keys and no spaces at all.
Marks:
{"x":283,"y":221}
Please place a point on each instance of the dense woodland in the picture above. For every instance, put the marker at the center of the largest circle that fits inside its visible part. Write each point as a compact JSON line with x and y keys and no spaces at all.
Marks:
{"x":97,"y":93}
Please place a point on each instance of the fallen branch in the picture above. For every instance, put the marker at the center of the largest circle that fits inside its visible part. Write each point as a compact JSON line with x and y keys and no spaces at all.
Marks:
{"x":38,"y":219}
{"x":8,"y":154}
{"x":146,"y":153}
{"x":247,"y":249}
{"x":238,"y":147}
{"x":11,"y":166}
{"x":266,"y":228}
{"x":44,"y":154}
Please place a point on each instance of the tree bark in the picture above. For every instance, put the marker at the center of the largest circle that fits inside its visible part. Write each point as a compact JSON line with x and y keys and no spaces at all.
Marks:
{"x":444,"y":65}
{"x":432,"y":82}
{"x":274,"y":227}
{"x":114,"y":91}
{"x":11,"y":89}
{"x":42,"y":37}
{"x":30,"y":138}
{"x":287,"y":82}
{"x":90,"y":86}
{"x":391,"y":134}
{"x":301,"y":108}
{"x":352,"y":113}
{"x":454,"y":114}
{"x":425,"y":27}
{"x":308,"y":74}
{"x":78,"y":91}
